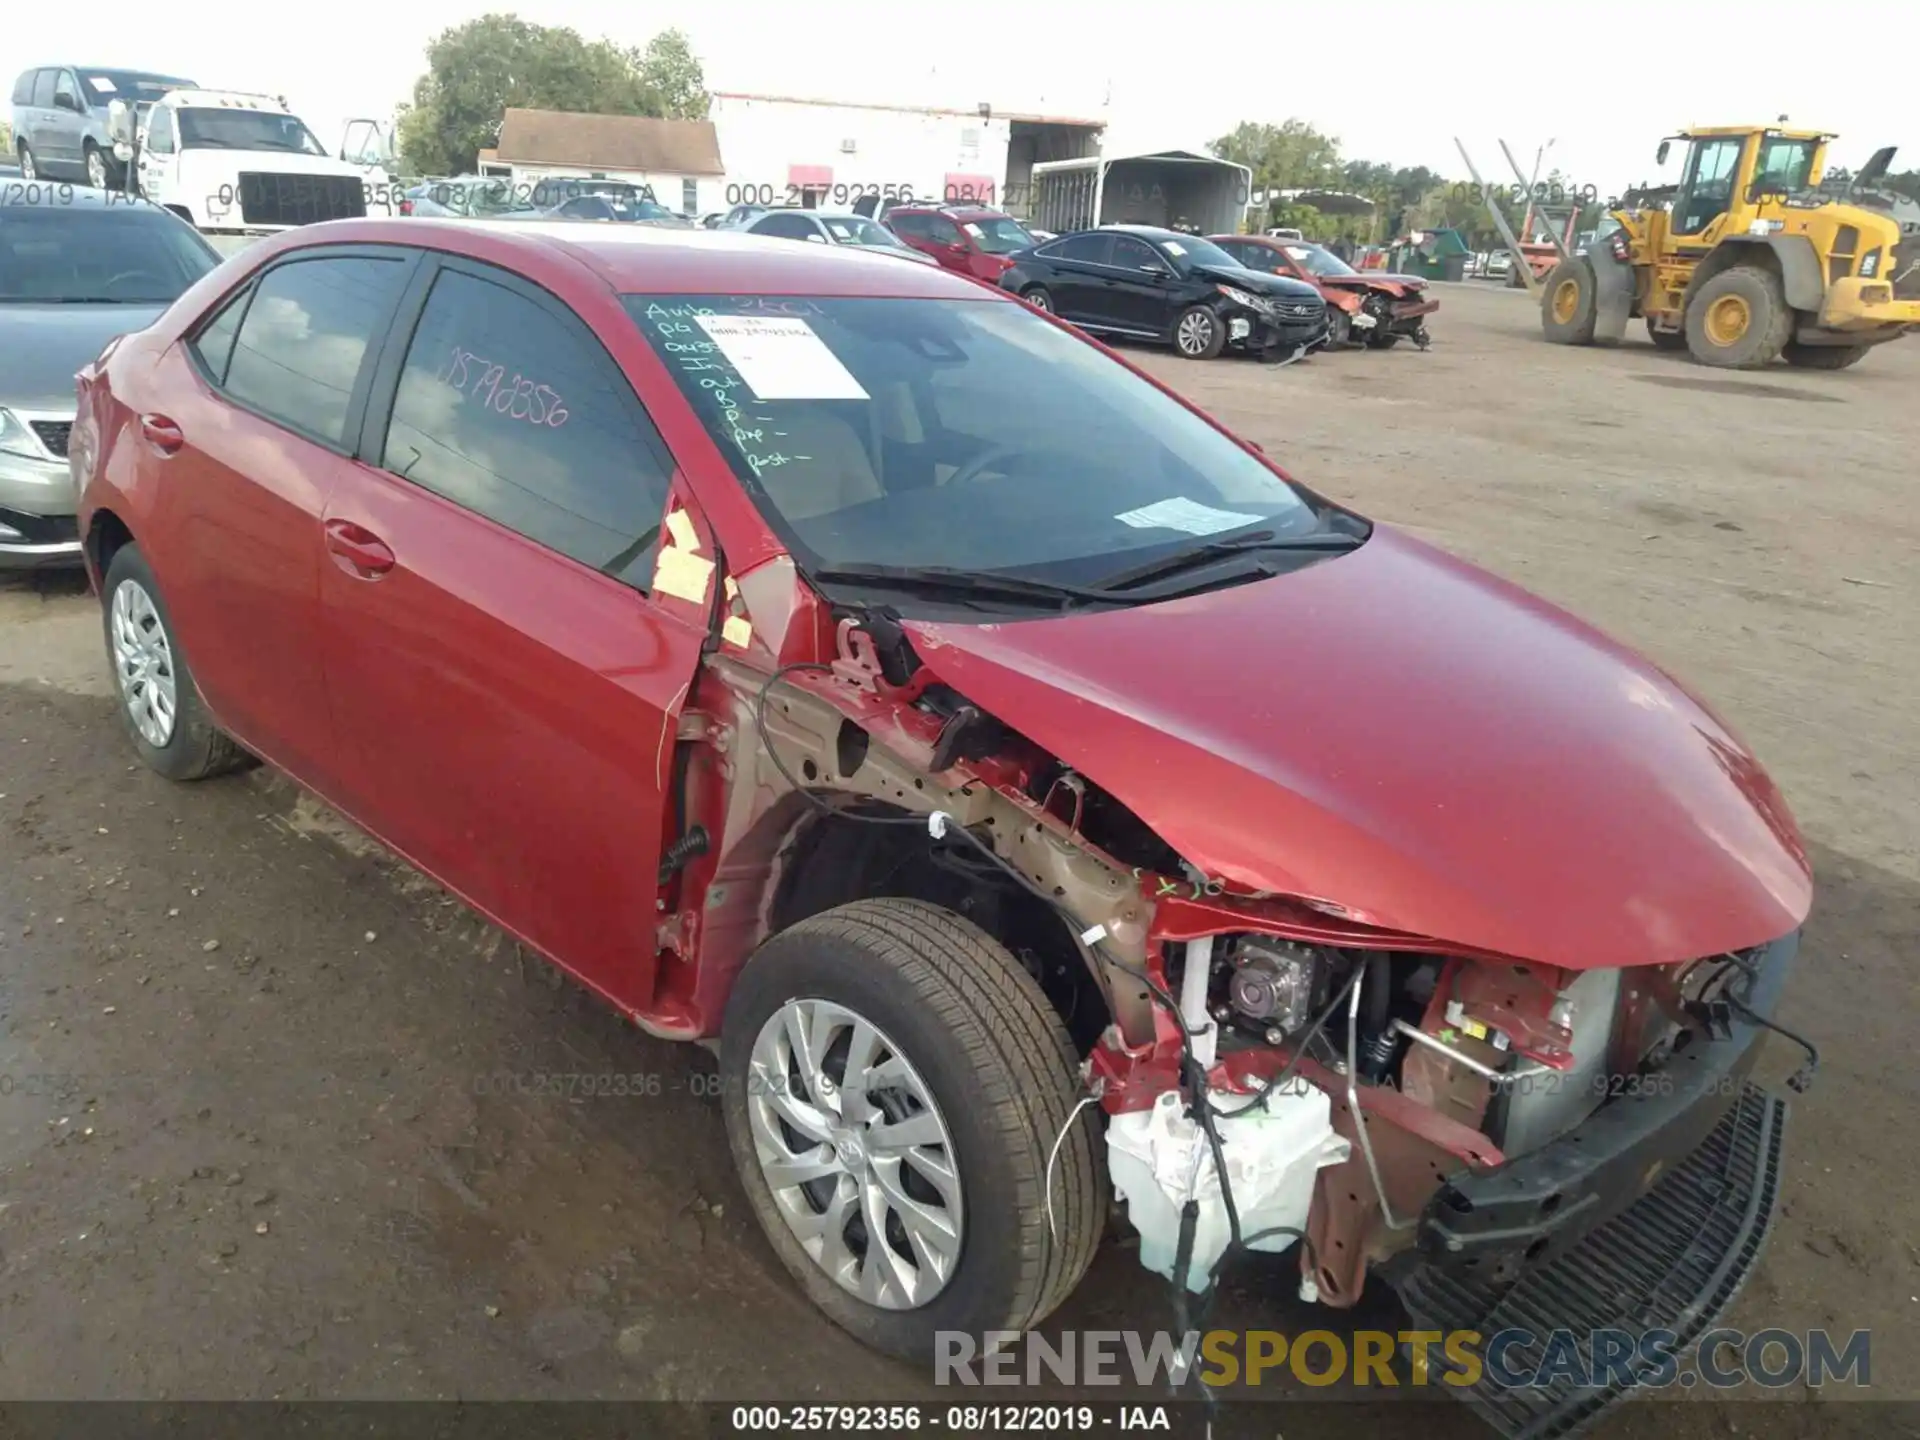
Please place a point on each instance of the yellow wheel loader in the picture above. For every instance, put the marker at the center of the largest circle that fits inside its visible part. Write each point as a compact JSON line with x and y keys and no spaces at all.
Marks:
{"x":1744,"y":261}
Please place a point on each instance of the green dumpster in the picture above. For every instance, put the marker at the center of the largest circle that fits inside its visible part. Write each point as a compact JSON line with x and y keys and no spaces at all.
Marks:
{"x":1433,"y":255}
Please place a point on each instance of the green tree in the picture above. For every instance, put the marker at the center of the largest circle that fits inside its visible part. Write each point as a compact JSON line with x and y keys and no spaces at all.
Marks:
{"x":1289,"y":156}
{"x":671,"y":70}
{"x":477,"y":71}
{"x":6,"y":139}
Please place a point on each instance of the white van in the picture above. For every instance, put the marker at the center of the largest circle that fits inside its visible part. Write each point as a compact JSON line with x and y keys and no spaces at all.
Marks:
{"x":236,"y":163}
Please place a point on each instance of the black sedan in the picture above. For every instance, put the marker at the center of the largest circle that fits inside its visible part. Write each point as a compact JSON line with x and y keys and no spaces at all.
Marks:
{"x":1144,"y":283}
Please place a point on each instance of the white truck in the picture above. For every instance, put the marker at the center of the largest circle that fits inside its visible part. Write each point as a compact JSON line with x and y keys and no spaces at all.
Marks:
{"x":233,"y":163}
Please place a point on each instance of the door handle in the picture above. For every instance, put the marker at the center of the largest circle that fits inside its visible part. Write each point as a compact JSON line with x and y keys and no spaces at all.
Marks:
{"x":161,"y":433}
{"x":358,"y":550}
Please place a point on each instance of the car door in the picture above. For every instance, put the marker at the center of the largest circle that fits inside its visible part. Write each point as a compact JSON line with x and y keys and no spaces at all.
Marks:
{"x":255,"y":422}
{"x":505,"y":684}
{"x":66,"y":122}
{"x":159,"y":163}
{"x":1078,"y":282}
{"x":1140,"y":296}
{"x":947,"y":245}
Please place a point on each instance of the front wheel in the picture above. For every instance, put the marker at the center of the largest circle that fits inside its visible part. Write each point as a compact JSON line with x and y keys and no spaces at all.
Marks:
{"x":1739,"y":320}
{"x":98,"y":171}
{"x":893,"y":1082}
{"x":160,"y":705}
{"x":1339,"y":330}
{"x":1198,"y":333}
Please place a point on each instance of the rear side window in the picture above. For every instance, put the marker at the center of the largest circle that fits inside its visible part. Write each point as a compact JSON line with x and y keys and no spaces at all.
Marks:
{"x":513,"y":410}
{"x":23,"y":88}
{"x":943,"y":231}
{"x":300,"y":347}
{"x":213,"y":346}
{"x":1086,"y":249}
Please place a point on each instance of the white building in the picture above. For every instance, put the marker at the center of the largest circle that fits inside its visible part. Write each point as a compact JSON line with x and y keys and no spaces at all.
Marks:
{"x":784,"y":150}
{"x":679,"y":159}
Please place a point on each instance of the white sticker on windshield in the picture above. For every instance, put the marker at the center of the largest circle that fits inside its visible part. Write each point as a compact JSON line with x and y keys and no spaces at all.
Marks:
{"x":101,"y":83}
{"x":1183,"y":514}
{"x":781,"y":358}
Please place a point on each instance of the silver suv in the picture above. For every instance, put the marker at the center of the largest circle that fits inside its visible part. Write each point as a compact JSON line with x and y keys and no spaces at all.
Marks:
{"x":60,"y":119}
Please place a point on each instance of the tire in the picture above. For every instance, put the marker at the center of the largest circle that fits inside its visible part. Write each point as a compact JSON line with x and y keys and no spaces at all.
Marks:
{"x":1666,"y":339}
{"x":1568,"y":307}
{"x":97,"y":160}
{"x":29,"y":171}
{"x":1198,"y":333}
{"x":977,"y":1038}
{"x":1036,"y":296}
{"x":1339,"y":329}
{"x":1753,"y":293}
{"x":139,"y":631}
{"x":1379,"y":341}
{"x":1823,"y":357}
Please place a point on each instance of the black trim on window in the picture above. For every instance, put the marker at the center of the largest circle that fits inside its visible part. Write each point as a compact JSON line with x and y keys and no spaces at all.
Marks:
{"x":407,"y":255}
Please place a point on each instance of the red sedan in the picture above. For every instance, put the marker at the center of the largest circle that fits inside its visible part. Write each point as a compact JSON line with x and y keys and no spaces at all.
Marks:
{"x":1363,"y":306}
{"x":1019,"y":776}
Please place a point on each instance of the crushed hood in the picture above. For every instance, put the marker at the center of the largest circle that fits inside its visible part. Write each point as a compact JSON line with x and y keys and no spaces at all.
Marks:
{"x":1419,"y":742}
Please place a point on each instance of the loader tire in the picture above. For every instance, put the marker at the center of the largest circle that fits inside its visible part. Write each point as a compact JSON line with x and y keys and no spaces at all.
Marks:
{"x":1567,"y":308}
{"x":1739,"y":319}
{"x":1824,"y":357}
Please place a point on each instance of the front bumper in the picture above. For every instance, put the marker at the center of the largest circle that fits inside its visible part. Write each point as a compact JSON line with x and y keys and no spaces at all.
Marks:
{"x":32,"y":542}
{"x":1649,"y":1215}
{"x":1247,"y":330}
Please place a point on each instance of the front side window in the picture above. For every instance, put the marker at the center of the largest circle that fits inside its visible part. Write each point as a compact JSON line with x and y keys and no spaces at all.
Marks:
{"x":787,"y":227}
{"x":66,"y":94}
{"x":515,"y":413}
{"x":998,"y":234}
{"x":300,"y":348}
{"x":160,"y":132}
{"x":1130,"y":254}
{"x":207,"y":128}
{"x":968,"y":434}
{"x":102,"y":255}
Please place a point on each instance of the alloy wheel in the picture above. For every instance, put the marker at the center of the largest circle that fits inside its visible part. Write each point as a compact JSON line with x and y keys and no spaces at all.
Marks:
{"x":1039,"y":299}
{"x":1196,"y":333}
{"x":143,"y":664}
{"x":27,"y":170}
{"x":856,"y":1153}
{"x":96,"y":169}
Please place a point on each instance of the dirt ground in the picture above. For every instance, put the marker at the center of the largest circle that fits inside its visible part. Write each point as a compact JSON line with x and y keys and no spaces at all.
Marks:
{"x":252,"y":1142}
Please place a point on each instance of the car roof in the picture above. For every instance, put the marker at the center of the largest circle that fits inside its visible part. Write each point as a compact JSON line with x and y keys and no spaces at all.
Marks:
{"x":951,"y":211}
{"x":1148,"y":232}
{"x":655,"y":260}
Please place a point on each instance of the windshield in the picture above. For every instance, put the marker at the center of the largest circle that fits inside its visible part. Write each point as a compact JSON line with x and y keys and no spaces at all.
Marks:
{"x":105,"y":86}
{"x":997,"y":234}
{"x":852,"y":230}
{"x":221,"y":129}
{"x":1196,"y":251}
{"x":1316,"y":261}
{"x":969,"y":434}
{"x":1785,"y":164}
{"x":120,"y":254}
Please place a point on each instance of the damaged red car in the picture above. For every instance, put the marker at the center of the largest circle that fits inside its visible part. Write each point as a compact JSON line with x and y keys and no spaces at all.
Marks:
{"x":1032,"y":793}
{"x":1364,"y":307}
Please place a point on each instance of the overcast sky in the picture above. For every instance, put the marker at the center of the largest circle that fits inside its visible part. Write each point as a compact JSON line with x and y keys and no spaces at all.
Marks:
{"x":1394,"y":81}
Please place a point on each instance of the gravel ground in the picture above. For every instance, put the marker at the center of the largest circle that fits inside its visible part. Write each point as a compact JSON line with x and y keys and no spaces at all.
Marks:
{"x":252,"y":1143}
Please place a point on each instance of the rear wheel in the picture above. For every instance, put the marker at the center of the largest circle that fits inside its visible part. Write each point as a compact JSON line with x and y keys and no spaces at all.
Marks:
{"x":160,"y":705}
{"x":893,"y":1081}
{"x":1567,"y":306}
{"x":1198,"y":333}
{"x":1739,"y":320}
{"x":1036,"y":296}
{"x":28,"y":170}
{"x":1823,"y":357}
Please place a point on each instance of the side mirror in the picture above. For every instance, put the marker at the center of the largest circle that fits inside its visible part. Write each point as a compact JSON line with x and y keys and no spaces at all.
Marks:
{"x":66,"y":102}
{"x":1660,"y":155}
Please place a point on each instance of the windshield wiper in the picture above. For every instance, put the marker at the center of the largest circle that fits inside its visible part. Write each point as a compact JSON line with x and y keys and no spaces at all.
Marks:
{"x":1326,"y":542}
{"x":965,"y":584}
